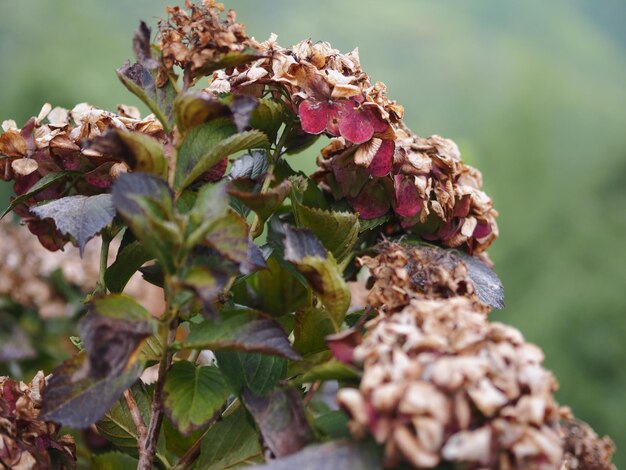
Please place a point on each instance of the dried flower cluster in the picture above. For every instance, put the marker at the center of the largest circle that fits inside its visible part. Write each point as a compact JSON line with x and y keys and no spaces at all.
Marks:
{"x":26,"y":266}
{"x":405,"y":272}
{"x":25,"y":442}
{"x":373,"y":161}
{"x":199,"y":41}
{"x":57,"y":140}
{"x":440,"y":383}
{"x":584,"y":450}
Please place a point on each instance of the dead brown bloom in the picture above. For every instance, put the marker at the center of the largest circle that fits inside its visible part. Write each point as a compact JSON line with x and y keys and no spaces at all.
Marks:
{"x":25,"y":442}
{"x":584,"y":450}
{"x":441,"y":383}
{"x":402,"y":272}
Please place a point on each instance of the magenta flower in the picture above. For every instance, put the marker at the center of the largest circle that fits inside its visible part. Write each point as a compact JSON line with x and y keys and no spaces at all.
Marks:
{"x":343,"y":117}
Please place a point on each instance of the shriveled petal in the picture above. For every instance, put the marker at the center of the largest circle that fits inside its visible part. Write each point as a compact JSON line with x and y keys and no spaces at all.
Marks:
{"x":407,"y":200}
{"x":314,"y":116}
{"x":354,"y":124}
{"x":372,"y":201}
{"x":382,"y":162}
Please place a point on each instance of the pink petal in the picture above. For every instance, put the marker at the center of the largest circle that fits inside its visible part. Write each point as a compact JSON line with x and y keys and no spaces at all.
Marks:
{"x":408,"y":202}
{"x":461,"y":209}
{"x":372,"y":202}
{"x":342,"y":344}
{"x":354,"y":124}
{"x":378,"y":123}
{"x":482,"y":230}
{"x":383,"y":160}
{"x":314,"y":115}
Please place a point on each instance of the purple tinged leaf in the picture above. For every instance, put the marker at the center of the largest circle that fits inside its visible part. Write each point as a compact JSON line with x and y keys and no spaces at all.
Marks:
{"x":74,"y":399}
{"x":344,"y":455}
{"x":240,"y":329}
{"x":300,"y":243}
{"x":252,"y":166}
{"x":81,"y":217}
{"x":281,"y":420}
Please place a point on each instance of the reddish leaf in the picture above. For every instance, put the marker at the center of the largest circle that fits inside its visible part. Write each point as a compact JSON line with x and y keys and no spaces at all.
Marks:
{"x":281,"y":420}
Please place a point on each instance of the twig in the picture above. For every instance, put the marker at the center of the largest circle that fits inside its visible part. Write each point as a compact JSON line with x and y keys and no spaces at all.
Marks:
{"x":136,"y":416}
{"x":148,"y":450}
{"x":315,"y":386}
{"x":256,"y":227}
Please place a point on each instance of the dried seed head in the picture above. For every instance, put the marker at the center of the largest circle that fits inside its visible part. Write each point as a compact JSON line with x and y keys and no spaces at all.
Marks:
{"x":402,"y":272}
{"x":442,"y":384}
{"x":25,"y":441}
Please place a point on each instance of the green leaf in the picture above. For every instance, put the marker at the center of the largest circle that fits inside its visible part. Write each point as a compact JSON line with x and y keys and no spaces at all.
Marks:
{"x":128,"y":260}
{"x":312,"y":327}
{"x":74,"y":399}
{"x":241,"y":329}
{"x":278,"y":291}
{"x":258,"y":372}
{"x":160,"y":100}
{"x":307,"y":254}
{"x":229,"y":236}
{"x":330,"y":370}
{"x":264,"y":204}
{"x":338,"y":231}
{"x":230,"y":443}
{"x":112,"y":332}
{"x":78,"y":216}
{"x":369,"y":224}
{"x":193,"y":395}
{"x":268,"y":116}
{"x":145,"y":202}
{"x":113,"y":461}
{"x":207,"y":282}
{"x":118,"y":427}
{"x":281,"y":420}
{"x":333,"y":424}
{"x":197,"y":107}
{"x":146,"y":154}
{"x":44,"y":183}
{"x":252,"y":166}
{"x":206,"y":145}
{"x":344,"y":455}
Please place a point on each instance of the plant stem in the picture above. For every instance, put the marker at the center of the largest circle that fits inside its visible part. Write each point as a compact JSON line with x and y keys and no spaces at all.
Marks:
{"x":256,"y":228}
{"x":101,"y":287}
{"x":147,"y":449}
{"x":136,"y":416}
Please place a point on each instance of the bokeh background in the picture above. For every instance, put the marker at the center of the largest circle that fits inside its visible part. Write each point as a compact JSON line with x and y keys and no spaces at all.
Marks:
{"x":534,"y":92}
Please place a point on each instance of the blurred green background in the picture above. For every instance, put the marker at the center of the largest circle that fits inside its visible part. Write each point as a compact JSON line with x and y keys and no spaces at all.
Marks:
{"x":534,"y":92}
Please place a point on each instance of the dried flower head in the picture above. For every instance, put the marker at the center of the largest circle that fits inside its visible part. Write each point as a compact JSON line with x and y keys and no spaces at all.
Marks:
{"x":373,"y":161}
{"x":403,"y":272}
{"x":57,"y":140}
{"x":584,"y":450}
{"x":26,"y":267}
{"x":441,"y":383}
{"x":199,"y":41}
{"x":25,"y":442}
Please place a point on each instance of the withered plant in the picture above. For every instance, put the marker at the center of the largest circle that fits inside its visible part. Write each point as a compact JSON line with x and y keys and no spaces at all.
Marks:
{"x":335,"y":320}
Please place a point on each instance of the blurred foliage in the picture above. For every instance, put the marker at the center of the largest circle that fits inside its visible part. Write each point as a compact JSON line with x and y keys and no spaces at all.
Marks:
{"x":532,"y":91}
